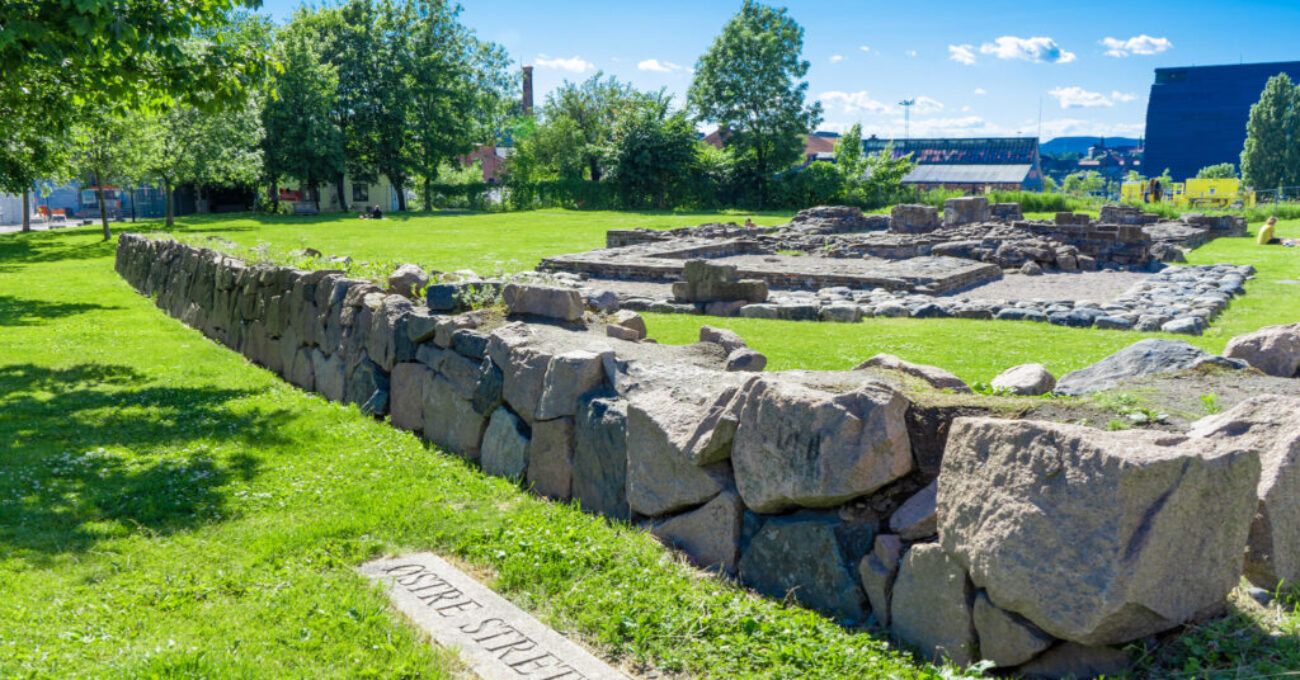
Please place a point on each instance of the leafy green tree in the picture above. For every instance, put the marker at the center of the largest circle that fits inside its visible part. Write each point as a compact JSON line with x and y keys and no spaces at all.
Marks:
{"x":595,"y":106}
{"x":302,"y":140}
{"x":653,"y":155}
{"x":30,"y":149}
{"x":460,"y":88}
{"x":1083,"y":183}
{"x":1220,"y":171}
{"x":849,"y":156}
{"x":749,"y":83}
{"x":109,"y":147}
{"x":1273,"y":136}
{"x":883,"y":177}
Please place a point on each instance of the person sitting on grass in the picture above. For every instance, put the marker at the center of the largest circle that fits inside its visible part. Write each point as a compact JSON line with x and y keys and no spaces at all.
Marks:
{"x":1266,"y":233}
{"x":374,"y":214}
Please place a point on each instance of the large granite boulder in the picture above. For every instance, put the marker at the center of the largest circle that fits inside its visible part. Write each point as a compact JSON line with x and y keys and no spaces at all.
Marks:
{"x":805,"y":557}
{"x":933,"y":376}
{"x":550,"y":458}
{"x":1096,"y":537}
{"x":1006,"y":639}
{"x":551,"y":302}
{"x":913,"y":219}
{"x":450,"y":422}
{"x":1275,"y":350}
{"x":568,"y":376}
{"x":710,"y":535}
{"x":505,"y":445}
{"x":915,"y":518}
{"x":965,"y":210}
{"x":1270,"y":425}
{"x":600,"y":456}
{"x":661,"y":478}
{"x":931,"y":608}
{"x":1145,"y":357}
{"x":1030,"y":380}
{"x":800,"y":442}
{"x":408,"y":281}
{"x":407,"y":395}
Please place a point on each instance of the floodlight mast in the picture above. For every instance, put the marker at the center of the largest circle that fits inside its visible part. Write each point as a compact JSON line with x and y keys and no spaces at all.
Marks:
{"x":907,"y":105}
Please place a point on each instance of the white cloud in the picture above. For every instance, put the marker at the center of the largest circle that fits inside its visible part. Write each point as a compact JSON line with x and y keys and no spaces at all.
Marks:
{"x":910,"y":53}
{"x":1122,"y":97}
{"x":1138,"y":44}
{"x":980,"y":90}
{"x":975,"y":126}
{"x":965,"y":109}
{"x":864,"y":48}
{"x":573,"y":64}
{"x":1038,"y":49}
{"x":657,"y":66}
{"x":925,"y":105}
{"x":853,"y":102}
{"x":962,"y":54}
{"x":1076,"y":97}
{"x":837,"y":58}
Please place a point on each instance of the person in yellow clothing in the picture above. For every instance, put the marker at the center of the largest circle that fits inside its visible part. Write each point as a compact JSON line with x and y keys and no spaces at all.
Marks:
{"x":1266,"y":233}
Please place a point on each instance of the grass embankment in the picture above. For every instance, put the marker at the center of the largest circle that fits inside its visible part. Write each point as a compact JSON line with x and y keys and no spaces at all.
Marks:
{"x":169,"y":510}
{"x":979,"y":350}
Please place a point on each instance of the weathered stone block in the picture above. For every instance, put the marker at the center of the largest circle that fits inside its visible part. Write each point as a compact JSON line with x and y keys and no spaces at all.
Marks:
{"x":1006,"y":639}
{"x":709,"y":535}
{"x":408,"y":385}
{"x":706,"y":281}
{"x":1087,"y":533}
{"x":803,"y":557}
{"x":931,"y":605}
{"x":798,"y":445}
{"x":550,"y":458}
{"x":551,"y":302}
{"x":600,"y":456}
{"x":1275,"y":350}
{"x":568,"y":376}
{"x":877,"y":571}
{"x":450,"y":422}
{"x":1267,"y":424}
{"x":661,"y":479}
{"x":505,"y":445}
{"x":915,"y":518}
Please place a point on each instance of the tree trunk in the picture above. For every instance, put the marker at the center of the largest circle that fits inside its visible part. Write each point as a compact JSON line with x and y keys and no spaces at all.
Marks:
{"x":594,"y":164}
{"x":428,"y":195}
{"x":27,"y":211}
{"x":275,"y":197}
{"x":103,"y":209}
{"x":401,"y":196}
{"x":133,"y":193}
{"x":167,"y":196}
{"x":315,"y":193}
{"x":343,"y":201}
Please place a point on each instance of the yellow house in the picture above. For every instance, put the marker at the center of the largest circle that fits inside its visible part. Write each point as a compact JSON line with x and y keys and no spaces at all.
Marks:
{"x":360,"y":195}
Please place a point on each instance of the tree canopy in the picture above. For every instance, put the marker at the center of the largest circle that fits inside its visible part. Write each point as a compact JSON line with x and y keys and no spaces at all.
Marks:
{"x":750,"y":84}
{"x":1271,"y":157}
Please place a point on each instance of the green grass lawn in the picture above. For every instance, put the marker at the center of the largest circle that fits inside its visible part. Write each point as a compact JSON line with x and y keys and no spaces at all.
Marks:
{"x":169,"y":510}
{"x":484,"y":242}
{"x":978,"y":350}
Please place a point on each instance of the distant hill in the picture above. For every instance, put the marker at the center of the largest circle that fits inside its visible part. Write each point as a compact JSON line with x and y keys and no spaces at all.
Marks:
{"x":1081,"y":144}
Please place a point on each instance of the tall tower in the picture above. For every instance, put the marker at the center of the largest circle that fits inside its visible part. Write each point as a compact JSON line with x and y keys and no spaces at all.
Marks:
{"x":528,"y":90}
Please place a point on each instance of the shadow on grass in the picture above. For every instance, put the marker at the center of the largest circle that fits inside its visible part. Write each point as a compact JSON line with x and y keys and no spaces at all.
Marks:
{"x":1238,"y":645}
{"x":94,"y":451}
{"x":15,"y":311}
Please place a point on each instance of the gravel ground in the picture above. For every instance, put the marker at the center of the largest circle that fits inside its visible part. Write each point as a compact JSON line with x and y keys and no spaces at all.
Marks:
{"x":1094,"y":286}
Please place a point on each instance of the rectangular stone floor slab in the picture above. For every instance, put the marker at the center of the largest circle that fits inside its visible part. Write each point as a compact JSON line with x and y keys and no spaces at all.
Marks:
{"x":496,"y":639}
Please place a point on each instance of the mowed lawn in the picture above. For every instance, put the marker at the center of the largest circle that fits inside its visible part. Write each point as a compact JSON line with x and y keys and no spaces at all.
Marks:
{"x":168,"y":510}
{"x":974,"y":350}
{"x":448,"y":241}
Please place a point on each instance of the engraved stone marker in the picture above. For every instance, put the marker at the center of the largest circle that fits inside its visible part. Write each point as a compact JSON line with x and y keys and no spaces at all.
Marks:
{"x":495,"y":638}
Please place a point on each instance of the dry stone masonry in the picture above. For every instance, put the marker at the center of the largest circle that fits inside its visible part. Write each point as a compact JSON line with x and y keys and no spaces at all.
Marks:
{"x":1041,"y":547}
{"x":836,"y":264}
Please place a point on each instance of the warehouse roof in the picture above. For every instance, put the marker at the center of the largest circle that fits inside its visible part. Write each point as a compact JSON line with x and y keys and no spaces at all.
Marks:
{"x":968,"y":174}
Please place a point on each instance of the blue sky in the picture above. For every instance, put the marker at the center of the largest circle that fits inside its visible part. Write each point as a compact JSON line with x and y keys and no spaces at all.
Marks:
{"x":975,"y":69}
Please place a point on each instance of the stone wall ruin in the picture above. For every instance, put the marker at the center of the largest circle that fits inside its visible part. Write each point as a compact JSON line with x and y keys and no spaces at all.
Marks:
{"x":1040,"y":546}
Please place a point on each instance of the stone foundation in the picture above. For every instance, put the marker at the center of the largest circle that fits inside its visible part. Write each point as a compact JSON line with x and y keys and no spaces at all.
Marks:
{"x":818,"y":486}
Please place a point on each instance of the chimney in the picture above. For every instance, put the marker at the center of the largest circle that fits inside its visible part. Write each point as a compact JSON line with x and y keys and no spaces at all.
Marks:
{"x":528,"y":90}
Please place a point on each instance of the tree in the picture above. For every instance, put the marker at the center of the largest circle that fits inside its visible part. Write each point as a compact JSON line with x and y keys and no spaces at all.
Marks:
{"x":110,"y":147}
{"x":1220,"y":171}
{"x":61,"y":58}
{"x":848,"y":153}
{"x":1272,"y":146}
{"x":653,"y":155}
{"x":749,"y":83}
{"x":595,"y":106}
{"x":302,"y":141}
{"x":883,"y":176}
{"x":1083,"y":183}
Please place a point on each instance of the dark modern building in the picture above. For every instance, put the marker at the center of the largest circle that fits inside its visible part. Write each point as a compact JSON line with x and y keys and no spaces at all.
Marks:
{"x":1197,"y":115}
{"x":969,"y":164}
